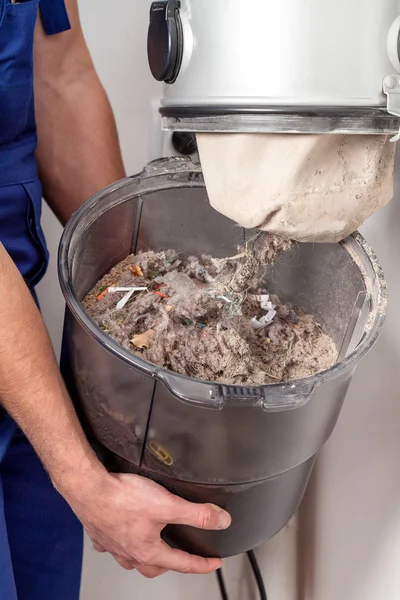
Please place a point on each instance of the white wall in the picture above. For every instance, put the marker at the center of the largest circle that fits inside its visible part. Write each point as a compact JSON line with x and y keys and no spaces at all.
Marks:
{"x":351,"y":546}
{"x":117,"y":40}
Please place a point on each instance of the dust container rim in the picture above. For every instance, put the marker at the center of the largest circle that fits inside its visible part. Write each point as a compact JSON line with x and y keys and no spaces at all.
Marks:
{"x":164,"y":174}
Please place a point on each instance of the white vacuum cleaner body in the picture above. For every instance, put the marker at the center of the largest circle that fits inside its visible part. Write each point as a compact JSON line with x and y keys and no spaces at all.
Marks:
{"x":298,"y":66}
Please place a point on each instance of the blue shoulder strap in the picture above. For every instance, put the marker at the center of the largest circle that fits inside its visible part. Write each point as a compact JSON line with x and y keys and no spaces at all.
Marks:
{"x":54,"y":16}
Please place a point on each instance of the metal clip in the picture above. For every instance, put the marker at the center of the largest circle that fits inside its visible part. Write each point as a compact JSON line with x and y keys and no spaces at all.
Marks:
{"x":391,"y":87}
{"x":161,"y":453}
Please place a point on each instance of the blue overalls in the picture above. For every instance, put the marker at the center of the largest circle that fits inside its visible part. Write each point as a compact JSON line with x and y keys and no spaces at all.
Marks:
{"x":40,"y":538}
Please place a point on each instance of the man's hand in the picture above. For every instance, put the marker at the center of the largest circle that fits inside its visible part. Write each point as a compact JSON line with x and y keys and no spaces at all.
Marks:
{"x":125,"y":514}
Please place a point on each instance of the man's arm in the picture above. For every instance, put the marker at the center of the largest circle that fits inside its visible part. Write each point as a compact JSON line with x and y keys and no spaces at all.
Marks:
{"x":123,"y":514}
{"x":78,"y":150}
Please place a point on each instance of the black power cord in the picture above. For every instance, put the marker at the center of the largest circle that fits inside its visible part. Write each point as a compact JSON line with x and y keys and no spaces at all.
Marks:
{"x":257,"y":574}
{"x":221,"y":583}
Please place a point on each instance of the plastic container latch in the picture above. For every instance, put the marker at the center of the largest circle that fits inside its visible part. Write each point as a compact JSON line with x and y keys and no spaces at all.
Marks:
{"x":253,"y":396}
{"x":271,"y":397}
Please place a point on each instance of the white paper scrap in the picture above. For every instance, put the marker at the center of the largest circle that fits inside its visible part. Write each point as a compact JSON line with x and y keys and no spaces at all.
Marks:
{"x":264,"y":321}
{"x":125,"y":299}
{"x":130,"y":291}
{"x":126,"y":289}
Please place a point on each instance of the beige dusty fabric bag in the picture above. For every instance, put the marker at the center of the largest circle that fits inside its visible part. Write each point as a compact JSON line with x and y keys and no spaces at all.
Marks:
{"x":317,"y":188}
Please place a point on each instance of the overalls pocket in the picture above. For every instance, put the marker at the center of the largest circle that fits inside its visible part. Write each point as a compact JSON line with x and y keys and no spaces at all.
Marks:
{"x":15,"y":104}
{"x":17,"y":24}
{"x":33,"y":192}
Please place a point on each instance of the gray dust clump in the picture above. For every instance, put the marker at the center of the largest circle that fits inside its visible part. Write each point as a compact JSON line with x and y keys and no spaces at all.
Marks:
{"x":211,"y":318}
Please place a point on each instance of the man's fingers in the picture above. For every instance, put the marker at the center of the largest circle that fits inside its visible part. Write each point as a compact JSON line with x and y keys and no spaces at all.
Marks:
{"x":147,"y":571}
{"x":176,"y":560}
{"x":151,"y":572}
{"x":201,"y":516}
{"x":98,"y":547}
{"x":128,"y":565}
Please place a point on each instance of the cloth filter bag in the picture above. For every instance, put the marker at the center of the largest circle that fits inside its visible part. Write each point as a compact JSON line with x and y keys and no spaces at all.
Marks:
{"x":311,"y":188}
